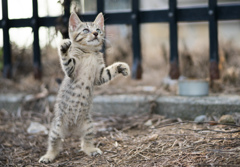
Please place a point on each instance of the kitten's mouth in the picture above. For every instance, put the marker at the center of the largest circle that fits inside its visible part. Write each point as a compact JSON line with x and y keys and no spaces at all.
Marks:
{"x":93,"y":40}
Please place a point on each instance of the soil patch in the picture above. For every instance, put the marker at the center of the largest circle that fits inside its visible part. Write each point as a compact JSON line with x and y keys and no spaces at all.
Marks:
{"x":143,"y":140}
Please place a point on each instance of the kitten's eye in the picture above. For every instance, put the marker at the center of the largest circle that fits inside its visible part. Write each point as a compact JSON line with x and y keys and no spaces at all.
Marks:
{"x":86,"y":31}
{"x":98,"y":30}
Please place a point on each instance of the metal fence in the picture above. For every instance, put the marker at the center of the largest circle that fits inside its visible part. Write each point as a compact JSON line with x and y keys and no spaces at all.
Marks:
{"x":211,"y":14}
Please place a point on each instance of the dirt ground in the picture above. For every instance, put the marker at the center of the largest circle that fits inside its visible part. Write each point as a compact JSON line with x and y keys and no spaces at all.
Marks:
{"x":139,"y":140}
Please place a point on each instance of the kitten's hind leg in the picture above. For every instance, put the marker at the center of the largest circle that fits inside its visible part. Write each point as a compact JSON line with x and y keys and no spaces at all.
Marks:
{"x":87,"y":139}
{"x":54,"y":146}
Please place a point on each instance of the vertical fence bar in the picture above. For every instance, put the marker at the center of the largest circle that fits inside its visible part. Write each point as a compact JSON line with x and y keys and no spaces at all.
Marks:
{"x":137,"y":58}
{"x":66,"y":5}
{"x":7,"y":70}
{"x":100,"y":8}
{"x":36,"y":48}
{"x":173,"y":30}
{"x":213,"y":39}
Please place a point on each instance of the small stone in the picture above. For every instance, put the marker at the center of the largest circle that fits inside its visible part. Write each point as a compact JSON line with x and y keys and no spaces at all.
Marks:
{"x":200,"y":118}
{"x":36,"y":127}
{"x":116,"y":144}
{"x":153,"y":137}
{"x":148,"y":123}
{"x":227,"y":119}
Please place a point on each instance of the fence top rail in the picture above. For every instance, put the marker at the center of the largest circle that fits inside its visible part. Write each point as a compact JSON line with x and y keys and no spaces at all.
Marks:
{"x":186,"y":14}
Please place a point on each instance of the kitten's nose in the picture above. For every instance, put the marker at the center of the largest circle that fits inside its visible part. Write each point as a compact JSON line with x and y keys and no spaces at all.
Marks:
{"x":95,"y":34}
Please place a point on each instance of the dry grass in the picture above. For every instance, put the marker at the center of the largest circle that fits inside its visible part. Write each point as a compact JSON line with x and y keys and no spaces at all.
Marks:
{"x":138,"y":140}
{"x":194,"y":63}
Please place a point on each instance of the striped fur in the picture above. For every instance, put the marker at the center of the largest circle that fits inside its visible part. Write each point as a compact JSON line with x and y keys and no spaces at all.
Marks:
{"x":84,"y":67}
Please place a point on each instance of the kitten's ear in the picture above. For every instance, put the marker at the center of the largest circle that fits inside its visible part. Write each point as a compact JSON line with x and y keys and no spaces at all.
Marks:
{"x":100,"y":21}
{"x":74,"y":22}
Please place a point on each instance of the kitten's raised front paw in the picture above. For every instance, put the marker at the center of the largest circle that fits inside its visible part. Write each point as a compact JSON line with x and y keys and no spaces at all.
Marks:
{"x":46,"y":159}
{"x":92,"y":151}
{"x":65,"y":45}
{"x":124,"y":69}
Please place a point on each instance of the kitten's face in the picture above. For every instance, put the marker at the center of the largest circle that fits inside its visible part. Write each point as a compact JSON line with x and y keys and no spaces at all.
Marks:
{"x":89,"y":35}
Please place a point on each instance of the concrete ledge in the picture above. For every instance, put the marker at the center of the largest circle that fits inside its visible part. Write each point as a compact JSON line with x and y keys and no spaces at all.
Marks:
{"x":11,"y":102}
{"x":190,"y":107}
{"x":169,"y":106}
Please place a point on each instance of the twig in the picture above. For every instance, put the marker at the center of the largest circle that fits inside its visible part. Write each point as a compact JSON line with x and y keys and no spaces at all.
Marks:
{"x":222,"y":138}
{"x":219,"y":131}
{"x":221,"y":151}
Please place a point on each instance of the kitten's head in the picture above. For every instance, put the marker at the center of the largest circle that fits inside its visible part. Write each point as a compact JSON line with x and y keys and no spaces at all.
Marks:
{"x":88,"y":35}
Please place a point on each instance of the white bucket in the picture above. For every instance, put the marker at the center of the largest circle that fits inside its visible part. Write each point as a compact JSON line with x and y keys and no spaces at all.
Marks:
{"x":193,"y":88}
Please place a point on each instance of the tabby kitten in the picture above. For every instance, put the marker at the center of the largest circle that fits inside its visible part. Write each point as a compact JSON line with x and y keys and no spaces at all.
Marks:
{"x":84,"y":67}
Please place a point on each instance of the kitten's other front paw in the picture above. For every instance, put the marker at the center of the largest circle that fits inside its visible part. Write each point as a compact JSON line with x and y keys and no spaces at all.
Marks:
{"x":65,"y":45}
{"x":124,"y":69}
{"x":92,"y":151}
{"x":47,"y":158}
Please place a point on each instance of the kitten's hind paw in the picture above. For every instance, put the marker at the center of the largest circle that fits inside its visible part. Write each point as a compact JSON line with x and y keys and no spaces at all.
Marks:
{"x":124,"y":69}
{"x":65,"y":45}
{"x":46,"y":159}
{"x":92,"y":151}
